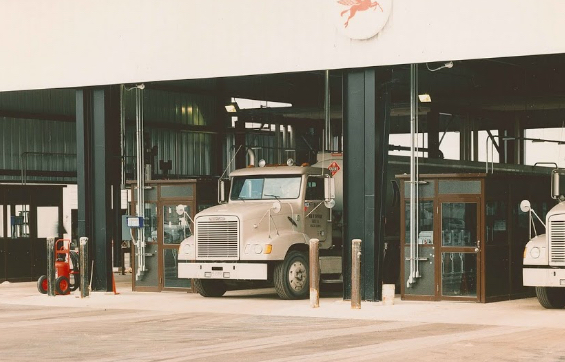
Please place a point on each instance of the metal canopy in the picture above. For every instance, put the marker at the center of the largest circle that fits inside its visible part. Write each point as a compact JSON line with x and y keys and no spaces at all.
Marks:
{"x":492,"y":90}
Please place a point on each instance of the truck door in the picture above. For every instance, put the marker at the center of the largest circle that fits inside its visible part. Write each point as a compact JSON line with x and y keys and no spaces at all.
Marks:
{"x":316,"y":214}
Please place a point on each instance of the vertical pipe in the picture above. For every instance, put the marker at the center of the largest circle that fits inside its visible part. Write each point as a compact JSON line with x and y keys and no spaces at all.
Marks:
{"x":284,"y":138}
{"x":278,"y":143}
{"x":140,"y":182}
{"x":51,"y":267}
{"x":416,"y":177}
{"x":356,"y":274}
{"x":291,"y":138}
{"x":412,"y":170}
{"x":314,"y":273}
{"x":327,"y":113}
{"x":122,"y":137}
{"x":83,"y":267}
{"x":291,"y":142}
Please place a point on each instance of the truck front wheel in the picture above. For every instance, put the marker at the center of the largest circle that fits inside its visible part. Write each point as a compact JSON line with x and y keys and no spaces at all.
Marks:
{"x":210,"y":287}
{"x":551,"y":298}
{"x":291,"y":277}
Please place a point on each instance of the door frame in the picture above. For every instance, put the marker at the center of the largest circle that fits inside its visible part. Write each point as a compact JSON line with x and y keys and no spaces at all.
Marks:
{"x":160,"y":201}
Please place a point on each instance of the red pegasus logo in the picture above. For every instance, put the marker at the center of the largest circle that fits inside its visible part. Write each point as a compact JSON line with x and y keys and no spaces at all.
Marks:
{"x":358,"y":5}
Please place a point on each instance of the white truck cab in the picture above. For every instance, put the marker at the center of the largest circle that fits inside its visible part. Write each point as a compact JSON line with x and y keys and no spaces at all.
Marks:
{"x":544,"y":255}
{"x":261,"y":231}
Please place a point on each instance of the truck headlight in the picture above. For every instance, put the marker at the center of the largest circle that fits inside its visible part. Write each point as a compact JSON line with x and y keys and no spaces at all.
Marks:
{"x":187,"y":249}
{"x":535,"y":252}
{"x":258,"y":248}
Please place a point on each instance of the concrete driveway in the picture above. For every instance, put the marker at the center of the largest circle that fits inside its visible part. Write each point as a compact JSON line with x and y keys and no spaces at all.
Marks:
{"x":257,"y":326}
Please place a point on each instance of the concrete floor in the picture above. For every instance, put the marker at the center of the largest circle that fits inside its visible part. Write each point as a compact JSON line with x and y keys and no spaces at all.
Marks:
{"x":257,"y":326}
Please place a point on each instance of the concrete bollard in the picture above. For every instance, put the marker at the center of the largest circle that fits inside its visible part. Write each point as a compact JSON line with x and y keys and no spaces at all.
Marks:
{"x":83,"y":267}
{"x":51,"y":267}
{"x":356,"y":274}
{"x":388,"y":294}
{"x":314,"y":273}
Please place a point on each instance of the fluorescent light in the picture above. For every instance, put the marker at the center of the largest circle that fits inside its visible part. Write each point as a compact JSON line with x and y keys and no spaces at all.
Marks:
{"x":424,"y":98}
{"x":232,"y":107}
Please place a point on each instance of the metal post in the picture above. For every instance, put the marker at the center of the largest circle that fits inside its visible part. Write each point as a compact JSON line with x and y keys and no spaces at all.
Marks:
{"x":356,"y":274}
{"x":83,"y":267}
{"x":51,"y":267}
{"x":314,"y":273}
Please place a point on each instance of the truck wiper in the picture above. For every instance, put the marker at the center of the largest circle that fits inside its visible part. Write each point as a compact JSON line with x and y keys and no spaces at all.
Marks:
{"x":275,"y":196}
{"x":241,"y":198}
{"x":292,"y":221}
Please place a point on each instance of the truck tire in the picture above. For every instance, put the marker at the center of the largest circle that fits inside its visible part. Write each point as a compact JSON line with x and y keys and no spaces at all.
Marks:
{"x":551,"y":298}
{"x":210,"y":287}
{"x":291,"y":277}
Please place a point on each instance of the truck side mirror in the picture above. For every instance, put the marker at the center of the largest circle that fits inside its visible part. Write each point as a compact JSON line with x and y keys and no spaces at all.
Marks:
{"x":525,"y":206}
{"x":223,"y":190}
{"x":329,"y":189}
{"x":555,"y":184}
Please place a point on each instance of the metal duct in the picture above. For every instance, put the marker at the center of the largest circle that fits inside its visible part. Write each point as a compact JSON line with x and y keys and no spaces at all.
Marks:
{"x":251,"y":155}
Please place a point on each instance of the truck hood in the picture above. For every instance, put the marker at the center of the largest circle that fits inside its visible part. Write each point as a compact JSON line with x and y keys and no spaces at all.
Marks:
{"x":247,"y":210}
{"x":557,"y":209}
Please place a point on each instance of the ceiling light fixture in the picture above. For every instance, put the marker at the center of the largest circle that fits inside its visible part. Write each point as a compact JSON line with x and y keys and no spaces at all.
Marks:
{"x":445,"y":65}
{"x":232,"y":107}
{"x":425,"y":98}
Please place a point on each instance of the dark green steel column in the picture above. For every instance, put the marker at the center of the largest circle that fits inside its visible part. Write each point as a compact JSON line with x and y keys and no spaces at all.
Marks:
{"x":98,"y":174}
{"x":366,"y":112}
{"x":84,"y":124}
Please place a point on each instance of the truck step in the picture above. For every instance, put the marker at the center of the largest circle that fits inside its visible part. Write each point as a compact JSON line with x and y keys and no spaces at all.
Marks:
{"x":332,"y":281}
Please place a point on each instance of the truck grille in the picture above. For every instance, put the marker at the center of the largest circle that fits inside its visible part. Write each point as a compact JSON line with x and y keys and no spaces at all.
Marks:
{"x":217,"y":239}
{"x":557,"y":242}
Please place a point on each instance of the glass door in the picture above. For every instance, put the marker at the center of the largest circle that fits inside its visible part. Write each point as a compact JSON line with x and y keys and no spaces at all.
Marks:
{"x":176,"y":226}
{"x":459,"y":250}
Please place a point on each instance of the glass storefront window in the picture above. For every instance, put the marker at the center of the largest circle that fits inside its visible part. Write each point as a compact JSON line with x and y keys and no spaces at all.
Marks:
{"x":459,"y":224}
{"x":171,"y":270}
{"x":150,"y":223}
{"x":425,"y":223}
{"x":47,"y":221}
{"x":458,"y":274}
{"x":496,"y":220}
{"x":18,"y":222}
{"x":176,"y":223}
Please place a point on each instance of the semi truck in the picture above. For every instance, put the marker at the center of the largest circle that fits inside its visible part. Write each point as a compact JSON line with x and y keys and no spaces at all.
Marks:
{"x":544,"y":254}
{"x":261,"y":230}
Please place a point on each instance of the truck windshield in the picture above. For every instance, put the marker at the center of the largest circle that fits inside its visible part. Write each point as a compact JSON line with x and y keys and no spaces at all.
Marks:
{"x":264,"y":188}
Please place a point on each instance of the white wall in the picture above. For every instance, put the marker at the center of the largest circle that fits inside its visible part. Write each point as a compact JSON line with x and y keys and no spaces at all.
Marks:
{"x":65,"y":43}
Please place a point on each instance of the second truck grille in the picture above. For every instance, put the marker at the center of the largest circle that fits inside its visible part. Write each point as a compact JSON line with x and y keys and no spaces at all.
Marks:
{"x":557,"y":242}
